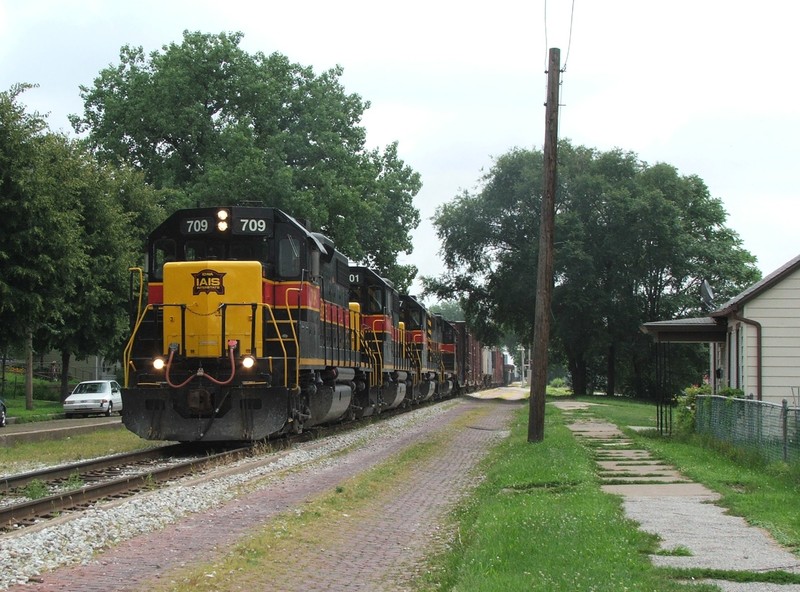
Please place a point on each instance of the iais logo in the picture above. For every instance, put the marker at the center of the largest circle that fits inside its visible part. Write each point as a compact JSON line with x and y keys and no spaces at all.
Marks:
{"x":208,"y":280}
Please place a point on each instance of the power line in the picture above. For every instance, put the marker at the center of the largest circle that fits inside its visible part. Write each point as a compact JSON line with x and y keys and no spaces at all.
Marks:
{"x":546,"y":48}
{"x":569,"y":41}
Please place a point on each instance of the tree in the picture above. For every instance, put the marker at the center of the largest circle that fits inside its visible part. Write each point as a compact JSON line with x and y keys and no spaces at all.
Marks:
{"x":633,"y":244}
{"x":40,"y":245}
{"x":489,"y":247}
{"x":212,"y":123}
{"x":116,"y":207}
{"x":73,"y":229}
{"x":449,"y":309}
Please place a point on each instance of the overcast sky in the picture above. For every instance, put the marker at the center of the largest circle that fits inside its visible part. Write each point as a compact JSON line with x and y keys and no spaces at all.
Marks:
{"x":708,"y":86}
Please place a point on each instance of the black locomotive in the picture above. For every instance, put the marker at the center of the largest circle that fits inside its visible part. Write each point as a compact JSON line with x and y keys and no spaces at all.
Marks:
{"x":255,"y":326}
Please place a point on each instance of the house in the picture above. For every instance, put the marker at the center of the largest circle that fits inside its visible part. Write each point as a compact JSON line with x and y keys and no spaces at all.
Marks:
{"x":754,"y":338}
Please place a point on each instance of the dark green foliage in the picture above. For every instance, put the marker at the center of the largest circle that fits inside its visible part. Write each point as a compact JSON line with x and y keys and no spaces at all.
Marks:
{"x":730,"y":391}
{"x":633,"y":243}
{"x":686,"y":405}
{"x":40,"y":229}
{"x":218,"y":126}
{"x":70,"y":230}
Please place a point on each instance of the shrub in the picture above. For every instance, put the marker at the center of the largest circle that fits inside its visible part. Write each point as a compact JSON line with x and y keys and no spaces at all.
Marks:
{"x":687,"y":406}
{"x":47,"y":392}
{"x":558,"y":382}
{"x":729,"y":391}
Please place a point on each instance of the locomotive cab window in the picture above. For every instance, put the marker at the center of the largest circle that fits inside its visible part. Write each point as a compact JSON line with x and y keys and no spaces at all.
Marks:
{"x":195,"y":250}
{"x":289,"y":261}
{"x":250,"y":250}
{"x":374,"y":300}
{"x":240,"y":252}
{"x":163,"y":252}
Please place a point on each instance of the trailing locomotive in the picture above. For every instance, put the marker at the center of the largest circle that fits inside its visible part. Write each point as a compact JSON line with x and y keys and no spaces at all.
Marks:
{"x":255,"y":326}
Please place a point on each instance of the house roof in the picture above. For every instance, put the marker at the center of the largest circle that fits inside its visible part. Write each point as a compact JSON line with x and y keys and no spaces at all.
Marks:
{"x":696,"y":330}
{"x":758,"y":288}
{"x":714,"y":327}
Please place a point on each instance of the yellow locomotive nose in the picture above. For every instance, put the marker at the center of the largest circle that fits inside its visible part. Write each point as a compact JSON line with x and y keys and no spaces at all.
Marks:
{"x":208,"y":303}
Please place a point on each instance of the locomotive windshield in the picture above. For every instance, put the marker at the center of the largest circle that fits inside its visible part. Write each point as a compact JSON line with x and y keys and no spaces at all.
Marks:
{"x":166,"y":250}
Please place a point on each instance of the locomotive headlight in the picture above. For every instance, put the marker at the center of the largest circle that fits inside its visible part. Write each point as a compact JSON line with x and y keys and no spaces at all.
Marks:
{"x":222,"y":220}
{"x":248,"y":362}
{"x":159,"y":363}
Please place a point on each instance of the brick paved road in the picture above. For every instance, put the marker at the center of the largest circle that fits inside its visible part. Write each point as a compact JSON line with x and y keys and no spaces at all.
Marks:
{"x":375,"y":552}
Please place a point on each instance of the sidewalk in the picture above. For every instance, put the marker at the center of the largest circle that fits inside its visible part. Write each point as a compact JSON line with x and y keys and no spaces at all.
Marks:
{"x":682,"y":513}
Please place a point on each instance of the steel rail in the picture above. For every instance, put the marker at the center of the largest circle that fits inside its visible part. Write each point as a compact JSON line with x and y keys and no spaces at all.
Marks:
{"x":25,"y":513}
{"x":11,"y":482}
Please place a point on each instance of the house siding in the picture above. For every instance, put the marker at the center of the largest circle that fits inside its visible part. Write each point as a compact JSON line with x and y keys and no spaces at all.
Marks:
{"x":778,"y":311}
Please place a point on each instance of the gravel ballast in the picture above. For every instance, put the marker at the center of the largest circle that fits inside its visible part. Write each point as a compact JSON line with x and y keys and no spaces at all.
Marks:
{"x":77,"y":539}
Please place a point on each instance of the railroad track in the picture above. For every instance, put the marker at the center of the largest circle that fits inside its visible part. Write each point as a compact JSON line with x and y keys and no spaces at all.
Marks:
{"x":101,"y":478}
{"x":109,"y":477}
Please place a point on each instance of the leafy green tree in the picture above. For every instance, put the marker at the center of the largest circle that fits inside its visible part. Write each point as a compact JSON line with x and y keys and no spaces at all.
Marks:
{"x":114,"y":203}
{"x":73,"y":229}
{"x":40,"y":230}
{"x":633,"y":243}
{"x":449,"y":309}
{"x":216,"y":125}
{"x":489,"y":240}
{"x":387,"y":206}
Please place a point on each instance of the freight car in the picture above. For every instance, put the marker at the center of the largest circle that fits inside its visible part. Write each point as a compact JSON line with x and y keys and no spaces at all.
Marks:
{"x":255,"y":326}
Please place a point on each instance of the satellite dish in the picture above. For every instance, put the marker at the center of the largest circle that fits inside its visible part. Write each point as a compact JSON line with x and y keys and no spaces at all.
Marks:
{"x":707,"y":294}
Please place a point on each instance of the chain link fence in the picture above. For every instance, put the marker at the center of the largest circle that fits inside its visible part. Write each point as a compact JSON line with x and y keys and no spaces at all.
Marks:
{"x":768,"y":429}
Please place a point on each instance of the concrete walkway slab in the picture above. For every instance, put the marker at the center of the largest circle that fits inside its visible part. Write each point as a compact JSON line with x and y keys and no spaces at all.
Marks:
{"x":684,"y":515}
{"x":656,"y":490}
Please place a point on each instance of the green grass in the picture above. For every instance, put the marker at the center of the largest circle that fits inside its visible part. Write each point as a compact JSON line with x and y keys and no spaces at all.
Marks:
{"x":766,"y":495}
{"x":46,"y":398}
{"x":41,"y":409}
{"x":622,"y":411}
{"x":25,"y":456}
{"x":36,"y":489}
{"x":539,"y":521}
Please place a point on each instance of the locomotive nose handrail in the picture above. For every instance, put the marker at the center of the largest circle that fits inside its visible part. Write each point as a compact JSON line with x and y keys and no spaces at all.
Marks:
{"x":128,"y":352}
{"x":200,"y":372}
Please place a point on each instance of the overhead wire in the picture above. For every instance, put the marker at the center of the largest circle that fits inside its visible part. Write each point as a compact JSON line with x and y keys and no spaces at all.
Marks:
{"x":569,"y":41}
{"x":569,"y":46}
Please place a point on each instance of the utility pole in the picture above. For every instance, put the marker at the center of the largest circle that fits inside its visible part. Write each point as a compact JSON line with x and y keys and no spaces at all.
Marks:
{"x":544,"y":273}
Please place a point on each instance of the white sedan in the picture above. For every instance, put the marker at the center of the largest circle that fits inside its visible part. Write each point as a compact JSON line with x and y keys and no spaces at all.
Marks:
{"x":93,"y":397}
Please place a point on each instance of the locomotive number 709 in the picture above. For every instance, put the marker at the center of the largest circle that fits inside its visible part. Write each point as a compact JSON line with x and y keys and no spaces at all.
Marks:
{"x":252,"y":225}
{"x":196,"y":225}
